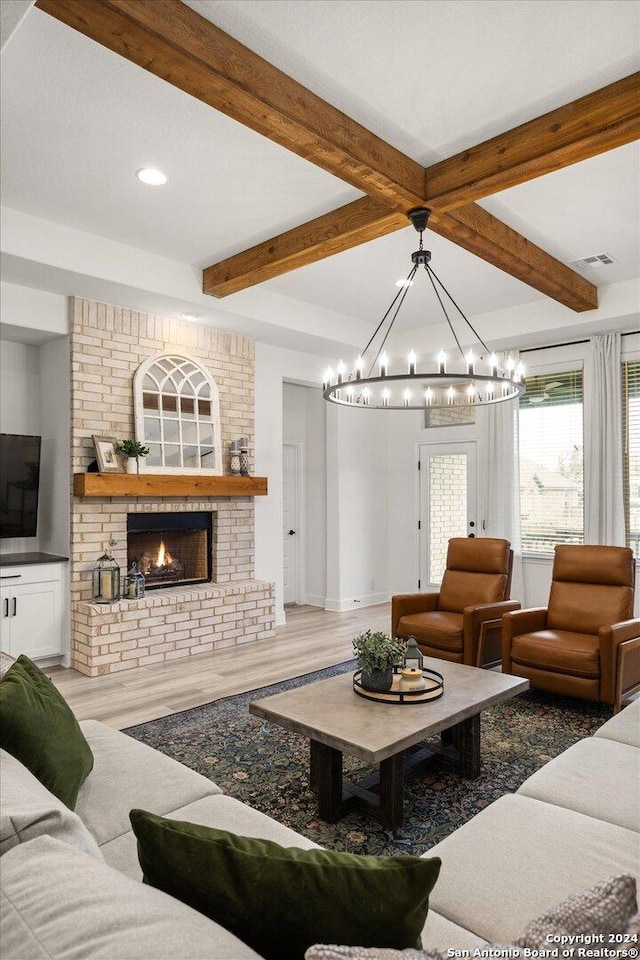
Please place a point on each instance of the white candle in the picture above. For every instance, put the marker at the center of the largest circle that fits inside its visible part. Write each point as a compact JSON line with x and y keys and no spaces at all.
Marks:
{"x":359,"y":366}
{"x":493,"y":364}
{"x":106,"y":585}
{"x":471,"y":392}
{"x":450,"y":394}
{"x":428,"y":395}
{"x":340,"y":372}
{"x":412,"y":363}
{"x":470,"y":363}
{"x":365,"y":395}
{"x":442,"y":359}
{"x":385,"y":397}
{"x":384,"y":363}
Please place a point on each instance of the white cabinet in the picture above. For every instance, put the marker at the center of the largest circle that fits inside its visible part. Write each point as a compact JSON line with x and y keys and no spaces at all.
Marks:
{"x":31,"y":609}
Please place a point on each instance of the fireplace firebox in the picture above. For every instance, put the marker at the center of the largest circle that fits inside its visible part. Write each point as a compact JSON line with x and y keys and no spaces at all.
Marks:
{"x":171,"y":549}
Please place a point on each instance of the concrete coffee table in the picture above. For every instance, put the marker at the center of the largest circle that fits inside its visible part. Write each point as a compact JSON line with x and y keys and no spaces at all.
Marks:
{"x":338,"y":721}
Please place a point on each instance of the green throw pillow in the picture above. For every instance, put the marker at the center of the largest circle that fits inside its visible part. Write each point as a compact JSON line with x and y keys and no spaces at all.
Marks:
{"x":281,"y":900}
{"x":38,"y":728}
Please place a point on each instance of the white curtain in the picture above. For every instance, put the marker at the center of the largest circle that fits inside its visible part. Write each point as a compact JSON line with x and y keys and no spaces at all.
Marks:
{"x":500,"y":477}
{"x":604,"y":508}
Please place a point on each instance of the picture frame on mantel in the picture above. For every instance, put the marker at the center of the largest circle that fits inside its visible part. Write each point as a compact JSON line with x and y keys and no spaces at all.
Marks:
{"x":106,"y":455}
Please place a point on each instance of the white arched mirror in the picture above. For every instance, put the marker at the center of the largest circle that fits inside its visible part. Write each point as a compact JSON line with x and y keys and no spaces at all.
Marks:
{"x":177,"y":415}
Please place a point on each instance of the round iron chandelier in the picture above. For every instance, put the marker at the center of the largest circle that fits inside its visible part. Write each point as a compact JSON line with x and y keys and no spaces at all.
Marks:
{"x":470,"y":381}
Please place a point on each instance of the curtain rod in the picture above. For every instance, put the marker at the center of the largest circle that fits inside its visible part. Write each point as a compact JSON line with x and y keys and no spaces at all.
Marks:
{"x":570,"y":343}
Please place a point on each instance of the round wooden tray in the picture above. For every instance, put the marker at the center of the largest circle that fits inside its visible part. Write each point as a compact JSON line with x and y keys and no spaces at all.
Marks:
{"x":433,"y":690}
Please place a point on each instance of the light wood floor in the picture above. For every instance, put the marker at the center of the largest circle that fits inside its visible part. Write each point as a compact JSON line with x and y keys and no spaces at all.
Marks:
{"x":311,"y":640}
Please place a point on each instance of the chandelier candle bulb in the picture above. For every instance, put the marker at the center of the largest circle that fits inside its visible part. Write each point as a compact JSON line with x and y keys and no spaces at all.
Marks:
{"x":385,"y":397}
{"x":493,"y":364}
{"x":442,"y":359}
{"x":340,"y":372}
{"x":470,"y":363}
{"x":384,"y":365}
{"x":366,"y":393}
{"x":519,"y":374}
{"x":510,"y":366}
{"x":412,"y":364}
{"x":450,"y":395}
{"x":350,"y":394}
{"x":359,"y":367}
{"x":471,"y":392}
{"x":407,"y":397}
{"x":428,"y":396}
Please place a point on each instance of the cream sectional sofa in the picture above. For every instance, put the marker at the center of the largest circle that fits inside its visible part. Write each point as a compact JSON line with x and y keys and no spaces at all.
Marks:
{"x":71,"y":882}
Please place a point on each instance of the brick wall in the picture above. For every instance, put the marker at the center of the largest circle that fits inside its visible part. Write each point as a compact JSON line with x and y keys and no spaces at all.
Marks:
{"x":108,"y":344}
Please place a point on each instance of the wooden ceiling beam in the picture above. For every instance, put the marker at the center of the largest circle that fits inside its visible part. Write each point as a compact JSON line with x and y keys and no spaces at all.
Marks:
{"x":349,"y":226}
{"x":597,"y":122}
{"x":175,"y":43}
{"x":477,"y":231}
{"x":469,"y":227}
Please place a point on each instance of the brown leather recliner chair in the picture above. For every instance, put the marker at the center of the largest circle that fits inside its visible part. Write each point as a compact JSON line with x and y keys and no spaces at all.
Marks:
{"x":584,"y":644}
{"x":462,"y":622}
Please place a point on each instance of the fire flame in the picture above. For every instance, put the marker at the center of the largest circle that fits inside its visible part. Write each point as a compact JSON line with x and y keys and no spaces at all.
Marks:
{"x":164,"y":557}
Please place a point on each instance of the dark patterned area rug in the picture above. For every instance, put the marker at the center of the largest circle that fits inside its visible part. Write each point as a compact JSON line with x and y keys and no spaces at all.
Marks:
{"x":268,"y":768}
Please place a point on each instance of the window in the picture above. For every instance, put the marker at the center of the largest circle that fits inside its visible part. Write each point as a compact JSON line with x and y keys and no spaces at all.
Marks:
{"x":631,"y":453}
{"x":177,"y":415}
{"x":551,"y":461}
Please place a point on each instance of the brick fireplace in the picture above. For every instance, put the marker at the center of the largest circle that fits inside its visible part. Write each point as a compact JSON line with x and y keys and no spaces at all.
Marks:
{"x":186,"y":618}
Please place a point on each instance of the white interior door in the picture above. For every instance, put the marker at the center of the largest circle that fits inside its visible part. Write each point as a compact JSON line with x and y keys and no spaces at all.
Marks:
{"x":291,"y":554}
{"x":448,"y":496}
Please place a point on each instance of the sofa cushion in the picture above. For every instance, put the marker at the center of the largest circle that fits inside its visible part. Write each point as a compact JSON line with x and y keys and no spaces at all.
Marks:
{"x":58,"y":902}
{"x":28,"y":810}
{"x":438,"y":628}
{"x":558,"y":650}
{"x":608,"y":908}
{"x":218,"y":810}
{"x":281,"y":900}
{"x":39,"y":729}
{"x":581,"y":779}
{"x":520,"y":844}
{"x":129,"y":774}
{"x":624,"y":727}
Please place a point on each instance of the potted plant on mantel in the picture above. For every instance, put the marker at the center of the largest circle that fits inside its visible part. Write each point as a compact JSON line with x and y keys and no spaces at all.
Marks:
{"x":133,"y":450}
{"x":377,"y":654}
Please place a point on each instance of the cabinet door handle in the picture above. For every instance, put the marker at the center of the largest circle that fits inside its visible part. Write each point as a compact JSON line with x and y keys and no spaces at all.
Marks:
{"x":6,"y":607}
{"x":15,"y":607}
{"x":12,"y":576}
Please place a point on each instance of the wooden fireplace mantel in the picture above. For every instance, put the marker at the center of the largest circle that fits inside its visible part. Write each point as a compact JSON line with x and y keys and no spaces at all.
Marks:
{"x":166,"y":485}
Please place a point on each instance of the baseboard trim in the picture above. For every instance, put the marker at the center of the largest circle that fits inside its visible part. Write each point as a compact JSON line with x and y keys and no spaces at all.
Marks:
{"x":343,"y":606}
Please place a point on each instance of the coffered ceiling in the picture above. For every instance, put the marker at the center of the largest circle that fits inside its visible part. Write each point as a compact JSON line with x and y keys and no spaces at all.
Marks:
{"x":429,"y":78}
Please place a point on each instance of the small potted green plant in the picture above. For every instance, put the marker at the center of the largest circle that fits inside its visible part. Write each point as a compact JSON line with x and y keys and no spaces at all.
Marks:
{"x":377,"y":654}
{"x":133,"y":450}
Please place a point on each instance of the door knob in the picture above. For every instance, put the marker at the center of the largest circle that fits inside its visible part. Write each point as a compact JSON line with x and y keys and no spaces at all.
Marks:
{"x":291,"y":532}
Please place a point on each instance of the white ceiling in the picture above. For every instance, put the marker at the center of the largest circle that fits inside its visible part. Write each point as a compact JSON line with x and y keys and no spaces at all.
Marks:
{"x":430,"y":76}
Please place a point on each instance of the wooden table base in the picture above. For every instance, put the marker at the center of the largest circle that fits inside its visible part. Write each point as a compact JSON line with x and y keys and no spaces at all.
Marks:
{"x":382,"y":794}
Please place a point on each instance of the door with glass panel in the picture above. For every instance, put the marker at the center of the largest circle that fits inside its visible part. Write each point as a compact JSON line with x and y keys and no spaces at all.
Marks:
{"x":448,"y":495}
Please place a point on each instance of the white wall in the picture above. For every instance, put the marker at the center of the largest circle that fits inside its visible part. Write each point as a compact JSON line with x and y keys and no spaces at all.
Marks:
{"x":357,"y":508}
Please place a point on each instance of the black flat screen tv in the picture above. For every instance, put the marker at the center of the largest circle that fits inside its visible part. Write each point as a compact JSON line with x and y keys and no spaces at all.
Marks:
{"x":19,"y":484}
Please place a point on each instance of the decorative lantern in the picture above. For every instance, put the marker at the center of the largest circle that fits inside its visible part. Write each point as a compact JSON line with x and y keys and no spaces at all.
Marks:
{"x":134,"y":583}
{"x":413,"y":659}
{"x":244,"y":456}
{"x":106,"y":580}
{"x":235,"y":458}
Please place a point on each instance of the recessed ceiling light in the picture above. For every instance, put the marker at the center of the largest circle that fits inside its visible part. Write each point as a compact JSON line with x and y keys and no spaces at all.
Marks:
{"x":404,"y":283}
{"x":191,"y":316}
{"x":151,"y":176}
